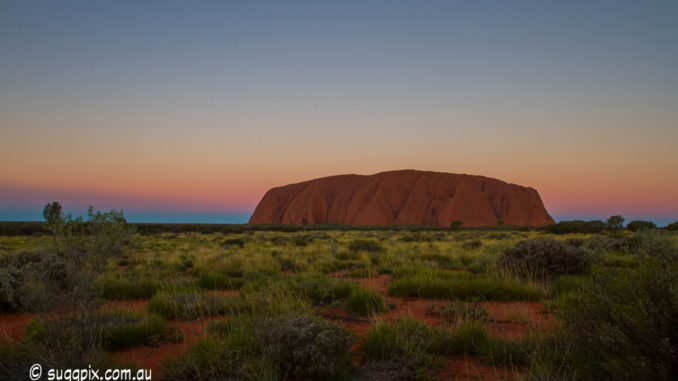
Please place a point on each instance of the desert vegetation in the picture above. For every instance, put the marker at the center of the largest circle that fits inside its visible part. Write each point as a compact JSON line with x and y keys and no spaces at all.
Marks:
{"x":578,"y":300}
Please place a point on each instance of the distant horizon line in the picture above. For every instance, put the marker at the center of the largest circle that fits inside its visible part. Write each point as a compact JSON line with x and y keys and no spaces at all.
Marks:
{"x":243,"y":219}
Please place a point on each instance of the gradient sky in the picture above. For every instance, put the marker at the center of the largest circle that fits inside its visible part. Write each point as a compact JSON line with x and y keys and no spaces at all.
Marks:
{"x":190,"y":111}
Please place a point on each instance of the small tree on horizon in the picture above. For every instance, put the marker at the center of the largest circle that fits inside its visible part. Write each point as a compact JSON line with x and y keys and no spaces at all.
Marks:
{"x":54,"y":217}
{"x":615,"y":222}
{"x":456,"y":224}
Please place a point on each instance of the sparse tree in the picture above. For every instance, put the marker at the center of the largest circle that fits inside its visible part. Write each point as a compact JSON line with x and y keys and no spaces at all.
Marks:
{"x":615,"y":222}
{"x":500,"y":222}
{"x":53,"y":217}
{"x":456,"y":224}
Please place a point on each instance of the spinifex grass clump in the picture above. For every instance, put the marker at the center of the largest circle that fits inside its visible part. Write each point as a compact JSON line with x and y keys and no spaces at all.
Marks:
{"x":320,"y":289}
{"x":412,"y":343}
{"x":126,"y":289}
{"x":545,"y":258}
{"x":365,"y":245}
{"x":426,"y":285}
{"x":217,"y":281}
{"x":115,"y":329}
{"x":365,"y":302}
{"x":192,"y":305}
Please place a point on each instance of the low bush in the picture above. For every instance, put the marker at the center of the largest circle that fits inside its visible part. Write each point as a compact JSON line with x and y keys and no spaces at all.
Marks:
{"x":305,"y":347}
{"x":29,"y":280}
{"x":365,"y":302}
{"x":623,"y":325}
{"x":545,"y":258}
{"x":672,"y":226}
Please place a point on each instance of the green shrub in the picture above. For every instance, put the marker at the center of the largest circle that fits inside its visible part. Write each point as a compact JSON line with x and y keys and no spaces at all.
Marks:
{"x":365,"y":302}
{"x":126,"y":289}
{"x":305,"y":347}
{"x":545,"y":257}
{"x":672,"y":226}
{"x":216,"y":281}
{"x":636,"y":225}
{"x":623,"y":326}
{"x":365,"y":245}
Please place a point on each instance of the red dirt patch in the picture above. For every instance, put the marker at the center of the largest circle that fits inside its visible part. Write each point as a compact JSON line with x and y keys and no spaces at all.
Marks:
{"x":128,"y":305}
{"x":152,"y":357}
{"x":513,"y":320}
{"x":13,"y":326}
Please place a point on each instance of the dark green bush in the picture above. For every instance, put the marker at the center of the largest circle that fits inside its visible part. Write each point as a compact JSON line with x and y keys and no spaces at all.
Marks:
{"x":672,"y":226}
{"x":365,"y":245}
{"x":545,"y":257}
{"x":305,"y":347}
{"x":623,"y":325}
{"x":636,"y":225}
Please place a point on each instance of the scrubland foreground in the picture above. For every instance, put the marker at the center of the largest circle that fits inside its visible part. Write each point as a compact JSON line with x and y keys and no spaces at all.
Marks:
{"x":341,"y":305}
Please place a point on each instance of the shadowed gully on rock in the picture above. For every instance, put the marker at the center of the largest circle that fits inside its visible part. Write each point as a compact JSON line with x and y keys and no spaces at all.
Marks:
{"x":405,"y":197}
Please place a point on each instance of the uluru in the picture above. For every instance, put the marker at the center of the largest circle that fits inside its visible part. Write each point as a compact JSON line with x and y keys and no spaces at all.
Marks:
{"x":404,"y":197}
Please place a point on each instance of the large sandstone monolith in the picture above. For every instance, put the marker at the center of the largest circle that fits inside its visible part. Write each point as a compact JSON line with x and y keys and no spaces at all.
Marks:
{"x":405,"y":197}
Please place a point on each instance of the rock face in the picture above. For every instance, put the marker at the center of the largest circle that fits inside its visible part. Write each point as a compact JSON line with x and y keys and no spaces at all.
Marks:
{"x":406,"y":197}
